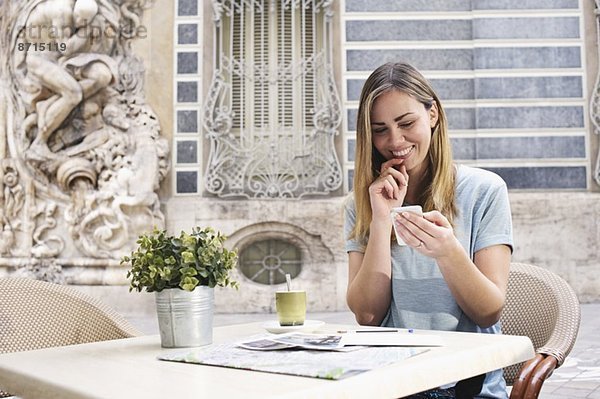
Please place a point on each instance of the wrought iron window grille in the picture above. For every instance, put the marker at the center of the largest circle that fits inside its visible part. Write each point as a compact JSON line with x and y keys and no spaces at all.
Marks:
{"x":273,"y":110}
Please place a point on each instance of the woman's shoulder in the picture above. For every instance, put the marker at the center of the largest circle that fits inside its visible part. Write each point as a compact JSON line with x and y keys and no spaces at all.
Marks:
{"x":472,"y":176}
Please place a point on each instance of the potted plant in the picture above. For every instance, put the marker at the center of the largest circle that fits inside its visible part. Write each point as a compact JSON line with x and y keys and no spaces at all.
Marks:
{"x":182,"y":272}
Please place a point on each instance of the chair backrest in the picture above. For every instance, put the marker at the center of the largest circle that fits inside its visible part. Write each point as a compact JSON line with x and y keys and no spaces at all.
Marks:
{"x":36,"y":314}
{"x":542,"y":306}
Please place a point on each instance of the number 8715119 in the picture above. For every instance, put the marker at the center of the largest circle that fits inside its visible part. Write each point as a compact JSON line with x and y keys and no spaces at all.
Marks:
{"x":50,"y":46}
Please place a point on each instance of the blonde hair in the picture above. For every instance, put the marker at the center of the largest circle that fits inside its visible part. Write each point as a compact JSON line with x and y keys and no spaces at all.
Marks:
{"x":439,"y":178}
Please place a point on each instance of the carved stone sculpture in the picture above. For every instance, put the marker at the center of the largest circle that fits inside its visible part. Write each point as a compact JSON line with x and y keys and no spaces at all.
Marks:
{"x":81,"y":153}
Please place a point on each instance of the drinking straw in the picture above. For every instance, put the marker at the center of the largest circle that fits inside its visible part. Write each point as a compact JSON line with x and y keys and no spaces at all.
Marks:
{"x":288,"y":280}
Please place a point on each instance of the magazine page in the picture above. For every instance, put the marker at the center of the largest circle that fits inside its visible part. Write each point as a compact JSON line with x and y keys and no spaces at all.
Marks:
{"x":263,"y":343}
{"x":346,"y":341}
{"x":311,"y":341}
{"x":329,"y":342}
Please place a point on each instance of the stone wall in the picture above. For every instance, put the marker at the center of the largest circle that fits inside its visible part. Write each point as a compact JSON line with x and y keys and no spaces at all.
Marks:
{"x":511,"y":75}
{"x":516,"y":82}
{"x":557,"y":231}
{"x":315,"y":226}
{"x":560,"y":232}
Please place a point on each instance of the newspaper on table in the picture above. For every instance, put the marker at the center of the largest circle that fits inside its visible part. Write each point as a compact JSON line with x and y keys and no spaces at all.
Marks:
{"x":341,"y":342}
{"x":309,"y":355}
{"x":331,"y":342}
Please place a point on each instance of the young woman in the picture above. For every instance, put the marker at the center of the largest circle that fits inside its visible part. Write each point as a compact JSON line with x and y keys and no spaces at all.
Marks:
{"x":453,"y":272}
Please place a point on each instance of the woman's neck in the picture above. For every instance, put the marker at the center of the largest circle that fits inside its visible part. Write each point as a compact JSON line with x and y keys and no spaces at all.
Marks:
{"x":412,"y":195}
{"x":416,"y":186}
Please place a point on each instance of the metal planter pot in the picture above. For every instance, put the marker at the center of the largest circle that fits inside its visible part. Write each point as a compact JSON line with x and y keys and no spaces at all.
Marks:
{"x":185,"y":319}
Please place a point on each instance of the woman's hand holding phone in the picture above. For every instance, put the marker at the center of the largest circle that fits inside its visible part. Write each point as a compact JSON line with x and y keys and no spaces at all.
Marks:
{"x":416,"y":209}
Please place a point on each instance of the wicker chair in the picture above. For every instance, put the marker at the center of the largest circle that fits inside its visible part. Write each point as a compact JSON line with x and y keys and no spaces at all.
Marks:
{"x":37,"y":314}
{"x":542,"y":306}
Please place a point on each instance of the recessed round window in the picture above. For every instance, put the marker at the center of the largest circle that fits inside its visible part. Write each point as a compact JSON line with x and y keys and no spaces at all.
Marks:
{"x":268,"y":261}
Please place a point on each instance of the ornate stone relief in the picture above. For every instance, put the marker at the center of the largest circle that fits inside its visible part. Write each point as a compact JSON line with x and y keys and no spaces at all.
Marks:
{"x":595,"y":100}
{"x":81,"y":153}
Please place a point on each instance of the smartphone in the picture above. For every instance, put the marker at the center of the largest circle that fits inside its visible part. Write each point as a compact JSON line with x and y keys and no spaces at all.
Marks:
{"x":416,"y":209}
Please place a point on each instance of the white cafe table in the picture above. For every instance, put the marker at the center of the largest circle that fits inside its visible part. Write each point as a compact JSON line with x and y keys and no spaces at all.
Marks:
{"x":128,"y":368}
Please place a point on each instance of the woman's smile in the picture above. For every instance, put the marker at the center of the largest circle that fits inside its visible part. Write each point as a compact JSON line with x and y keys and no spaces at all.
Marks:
{"x":404,"y":153}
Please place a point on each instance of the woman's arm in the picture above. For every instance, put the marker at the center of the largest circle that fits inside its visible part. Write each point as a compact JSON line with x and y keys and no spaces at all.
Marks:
{"x":369,"y":278}
{"x":478,"y":286}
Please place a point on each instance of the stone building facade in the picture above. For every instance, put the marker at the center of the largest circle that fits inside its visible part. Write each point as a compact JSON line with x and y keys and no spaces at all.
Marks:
{"x":261,"y":142}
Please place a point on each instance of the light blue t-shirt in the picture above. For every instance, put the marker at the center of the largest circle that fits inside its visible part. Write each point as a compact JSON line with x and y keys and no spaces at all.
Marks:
{"x":421,"y":298}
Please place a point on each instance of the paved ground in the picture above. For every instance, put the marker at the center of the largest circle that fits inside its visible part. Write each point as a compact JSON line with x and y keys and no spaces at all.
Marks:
{"x":579,"y":377}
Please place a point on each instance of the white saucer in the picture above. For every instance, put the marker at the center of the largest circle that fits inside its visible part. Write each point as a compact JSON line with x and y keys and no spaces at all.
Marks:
{"x":273,"y":326}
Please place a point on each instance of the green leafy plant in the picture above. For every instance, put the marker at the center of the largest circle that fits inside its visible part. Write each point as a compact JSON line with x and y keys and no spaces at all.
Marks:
{"x":162,"y":261}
